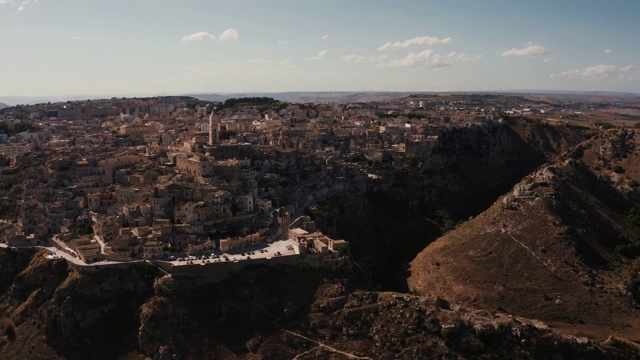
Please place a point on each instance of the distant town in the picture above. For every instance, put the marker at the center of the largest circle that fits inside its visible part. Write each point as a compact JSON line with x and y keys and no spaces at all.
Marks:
{"x":183,"y":182}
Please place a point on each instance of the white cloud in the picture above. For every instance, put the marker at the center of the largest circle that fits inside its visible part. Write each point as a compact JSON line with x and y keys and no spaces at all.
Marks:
{"x":201,"y":35}
{"x":599,"y":70}
{"x":229,"y":34}
{"x":77,"y":38}
{"x":549,"y":59}
{"x":529,"y":51}
{"x":283,"y":42}
{"x":608,"y":51}
{"x":324,"y":37}
{"x":415,"y":42}
{"x":20,"y":4}
{"x":320,"y":56}
{"x":593,"y":72}
{"x":427,"y":58}
{"x":363,"y":59}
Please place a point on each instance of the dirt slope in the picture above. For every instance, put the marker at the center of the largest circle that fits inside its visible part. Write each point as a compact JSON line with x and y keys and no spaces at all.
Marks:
{"x":545,"y":251}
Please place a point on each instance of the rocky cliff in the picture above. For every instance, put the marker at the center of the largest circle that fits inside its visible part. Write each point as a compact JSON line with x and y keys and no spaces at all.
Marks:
{"x":52,"y":312}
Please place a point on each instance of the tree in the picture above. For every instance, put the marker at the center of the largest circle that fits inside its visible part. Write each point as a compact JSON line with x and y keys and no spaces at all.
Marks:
{"x":227,"y":134}
{"x":10,"y":331}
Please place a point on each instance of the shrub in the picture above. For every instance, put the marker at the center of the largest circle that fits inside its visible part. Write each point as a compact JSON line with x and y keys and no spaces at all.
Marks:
{"x":630,"y":251}
{"x":634,"y":288}
{"x":604,"y":125}
{"x":10,"y":331}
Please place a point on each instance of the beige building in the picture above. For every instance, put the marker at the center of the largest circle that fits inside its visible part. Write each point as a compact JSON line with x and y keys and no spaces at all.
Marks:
{"x":138,"y":130}
{"x":152,"y":249}
{"x":13,"y":150}
{"x":88,"y":250}
{"x":240,"y":242}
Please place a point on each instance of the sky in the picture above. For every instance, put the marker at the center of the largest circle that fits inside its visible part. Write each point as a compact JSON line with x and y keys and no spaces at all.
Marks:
{"x":169,"y":47}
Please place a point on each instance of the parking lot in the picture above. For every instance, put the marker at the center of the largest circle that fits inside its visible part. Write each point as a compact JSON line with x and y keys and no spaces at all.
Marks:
{"x":263,"y":251}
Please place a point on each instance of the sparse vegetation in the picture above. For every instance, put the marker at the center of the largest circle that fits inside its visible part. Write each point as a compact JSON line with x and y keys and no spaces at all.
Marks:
{"x":10,"y":331}
{"x":621,"y":145}
{"x":633,"y":217}
{"x":17,"y":128}
{"x":634,"y":287}
{"x":83,"y":228}
{"x":265,"y":102}
{"x":443,"y":217}
{"x":632,"y":249}
{"x":603,"y":125}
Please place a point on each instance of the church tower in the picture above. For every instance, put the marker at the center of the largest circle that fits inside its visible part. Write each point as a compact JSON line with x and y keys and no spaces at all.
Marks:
{"x":214,"y":131}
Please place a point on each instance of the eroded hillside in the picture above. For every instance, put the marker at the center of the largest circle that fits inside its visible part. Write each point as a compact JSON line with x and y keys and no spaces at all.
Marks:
{"x":558,"y":247}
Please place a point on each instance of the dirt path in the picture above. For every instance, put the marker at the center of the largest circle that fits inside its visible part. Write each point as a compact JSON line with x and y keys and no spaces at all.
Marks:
{"x":319,"y":344}
{"x":351,"y":356}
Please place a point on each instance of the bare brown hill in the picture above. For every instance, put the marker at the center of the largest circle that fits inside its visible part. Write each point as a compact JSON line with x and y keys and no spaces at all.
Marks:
{"x":550,"y":249}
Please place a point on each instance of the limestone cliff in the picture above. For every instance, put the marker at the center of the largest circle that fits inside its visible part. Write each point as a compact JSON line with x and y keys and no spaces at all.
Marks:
{"x":53,"y":312}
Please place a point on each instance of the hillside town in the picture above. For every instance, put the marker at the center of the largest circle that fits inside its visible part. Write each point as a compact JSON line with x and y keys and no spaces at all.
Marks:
{"x":178,"y":180}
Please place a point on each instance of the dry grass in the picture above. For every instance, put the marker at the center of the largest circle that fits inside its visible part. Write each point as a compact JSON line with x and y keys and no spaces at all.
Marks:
{"x":548,"y":256}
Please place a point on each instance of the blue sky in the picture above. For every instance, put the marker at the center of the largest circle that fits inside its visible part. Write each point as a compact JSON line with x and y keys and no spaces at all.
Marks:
{"x":75,"y":47}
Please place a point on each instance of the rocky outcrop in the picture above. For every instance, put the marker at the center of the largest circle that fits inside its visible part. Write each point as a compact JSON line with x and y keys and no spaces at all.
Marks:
{"x":382,"y":325}
{"x":59,"y":313}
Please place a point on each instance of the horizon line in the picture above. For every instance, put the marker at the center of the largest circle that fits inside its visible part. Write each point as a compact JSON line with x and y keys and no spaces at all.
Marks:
{"x":76,"y":97}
